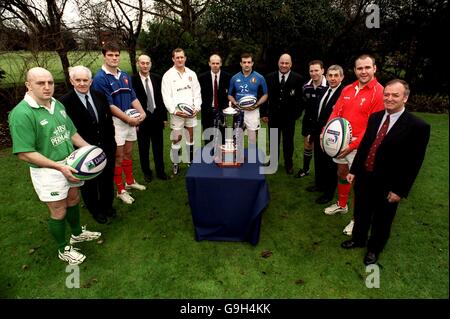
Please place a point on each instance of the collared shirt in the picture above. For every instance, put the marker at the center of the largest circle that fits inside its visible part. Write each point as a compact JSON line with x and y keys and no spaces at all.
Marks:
{"x":150,"y":85}
{"x":392,"y":118}
{"x":328,"y":97}
{"x":356,"y":105}
{"x":212,"y":80}
{"x":241,"y":85}
{"x":286,"y":75}
{"x":179,"y":87}
{"x":82,"y":97}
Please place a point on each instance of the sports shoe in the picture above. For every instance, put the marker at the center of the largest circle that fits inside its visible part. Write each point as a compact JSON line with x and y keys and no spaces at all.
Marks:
{"x":301,"y":173}
{"x":176,"y":169}
{"x":85,"y":235}
{"x":349,"y":228}
{"x":125,"y":197}
{"x":135,"y":185}
{"x":335,"y":208}
{"x":71,"y":255}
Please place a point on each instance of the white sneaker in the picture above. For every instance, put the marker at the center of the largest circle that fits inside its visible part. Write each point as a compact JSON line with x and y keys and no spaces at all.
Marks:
{"x":349,"y":228}
{"x":176,"y":169}
{"x":85,"y":235}
{"x":125,"y":197}
{"x":335,"y":208}
{"x":135,"y":185}
{"x":71,"y":255}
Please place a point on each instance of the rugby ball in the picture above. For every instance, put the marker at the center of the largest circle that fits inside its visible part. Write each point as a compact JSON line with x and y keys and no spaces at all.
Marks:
{"x":185,"y":108}
{"x":88,"y":160}
{"x":247,"y":102}
{"x":133,"y":113}
{"x":337,"y":134}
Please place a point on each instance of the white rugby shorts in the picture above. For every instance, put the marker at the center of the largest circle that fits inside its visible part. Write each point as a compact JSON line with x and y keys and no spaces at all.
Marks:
{"x":50,"y":184}
{"x":251,"y":120}
{"x":178,"y":122}
{"x":347,"y":159}
{"x":123,"y":132}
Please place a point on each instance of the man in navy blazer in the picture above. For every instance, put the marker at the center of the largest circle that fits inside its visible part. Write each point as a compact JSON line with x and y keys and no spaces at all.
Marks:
{"x":152,"y":128}
{"x":210,"y":112}
{"x":325,"y":169}
{"x":384,"y":169}
{"x":283,"y":107}
{"x":97,"y":129}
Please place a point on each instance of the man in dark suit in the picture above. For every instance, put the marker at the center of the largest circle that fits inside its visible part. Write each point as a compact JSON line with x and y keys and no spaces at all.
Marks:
{"x":384,"y":169}
{"x":284,"y":106}
{"x":325,"y":169}
{"x":91,"y":114}
{"x":212,"y":104}
{"x":148,"y":91}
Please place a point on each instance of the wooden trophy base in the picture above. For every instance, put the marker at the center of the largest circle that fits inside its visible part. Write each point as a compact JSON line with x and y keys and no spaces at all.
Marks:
{"x":228,"y":159}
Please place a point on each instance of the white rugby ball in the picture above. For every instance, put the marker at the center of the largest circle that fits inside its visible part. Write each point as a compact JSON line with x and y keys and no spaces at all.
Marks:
{"x":88,"y":160}
{"x":337,"y":134}
{"x":185,"y":108}
{"x":133,"y":113}
{"x":247,"y":102}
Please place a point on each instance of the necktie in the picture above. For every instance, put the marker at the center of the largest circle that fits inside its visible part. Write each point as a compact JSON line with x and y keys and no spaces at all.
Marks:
{"x":216,"y":96}
{"x":150,"y":105}
{"x":325,"y":101}
{"x":90,"y":109}
{"x":373,"y":149}
{"x":283,"y":80}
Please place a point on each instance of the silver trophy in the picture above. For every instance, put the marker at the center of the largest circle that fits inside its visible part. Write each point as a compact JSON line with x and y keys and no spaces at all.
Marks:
{"x":227,"y":156}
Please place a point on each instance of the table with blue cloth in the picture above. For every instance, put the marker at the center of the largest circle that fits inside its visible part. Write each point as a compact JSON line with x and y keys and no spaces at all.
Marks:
{"x":227,"y":203}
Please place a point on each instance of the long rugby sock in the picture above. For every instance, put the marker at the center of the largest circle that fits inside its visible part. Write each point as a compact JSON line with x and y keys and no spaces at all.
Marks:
{"x":73,"y":219}
{"x":57,"y":228}
{"x":190,"y":147}
{"x":127,"y":166}
{"x":175,"y":153}
{"x":307,"y":156}
{"x":118,"y":179}
{"x":343,"y":192}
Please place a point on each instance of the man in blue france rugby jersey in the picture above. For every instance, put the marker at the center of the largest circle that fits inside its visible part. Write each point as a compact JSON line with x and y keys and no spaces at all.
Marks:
{"x":248,"y":83}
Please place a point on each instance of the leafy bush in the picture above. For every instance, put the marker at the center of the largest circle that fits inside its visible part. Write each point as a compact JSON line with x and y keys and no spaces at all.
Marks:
{"x":428,"y":103}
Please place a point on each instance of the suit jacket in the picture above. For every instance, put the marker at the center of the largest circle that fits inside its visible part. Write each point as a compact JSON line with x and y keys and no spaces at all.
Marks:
{"x":156,"y":120}
{"x":99,"y":133}
{"x":205,"y":80}
{"x":285,"y":106}
{"x":400,"y":154}
{"x":322,"y":120}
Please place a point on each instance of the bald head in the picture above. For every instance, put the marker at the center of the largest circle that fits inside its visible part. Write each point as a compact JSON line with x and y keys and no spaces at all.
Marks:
{"x":144,"y":64}
{"x":40,"y":85}
{"x":215,"y":62}
{"x":36,"y":72}
{"x":285,"y":63}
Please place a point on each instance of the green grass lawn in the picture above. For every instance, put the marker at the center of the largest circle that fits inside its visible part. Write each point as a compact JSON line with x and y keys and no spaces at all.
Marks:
{"x":149,"y":251}
{"x":15,"y":64}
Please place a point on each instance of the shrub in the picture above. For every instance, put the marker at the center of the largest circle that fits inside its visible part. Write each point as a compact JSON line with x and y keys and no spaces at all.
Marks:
{"x":428,"y":103}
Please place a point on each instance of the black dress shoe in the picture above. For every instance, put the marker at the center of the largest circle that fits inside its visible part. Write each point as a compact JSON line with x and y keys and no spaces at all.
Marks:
{"x":301,"y":173}
{"x":370,"y":258}
{"x":100,"y":218}
{"x":148,"y":177}
{"x":349,"y":244}
{"x":323,"y":199}
{"x":111,"y":212}
{"x":289,"y":170}
{"x":162,"y":176}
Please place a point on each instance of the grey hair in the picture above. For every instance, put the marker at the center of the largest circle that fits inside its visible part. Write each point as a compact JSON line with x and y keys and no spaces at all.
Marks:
{"x":77,"y":69}
{"x":336,"y":67}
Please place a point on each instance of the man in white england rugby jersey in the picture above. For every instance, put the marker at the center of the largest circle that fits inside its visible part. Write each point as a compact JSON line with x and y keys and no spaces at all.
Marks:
{"x":180,"y":85}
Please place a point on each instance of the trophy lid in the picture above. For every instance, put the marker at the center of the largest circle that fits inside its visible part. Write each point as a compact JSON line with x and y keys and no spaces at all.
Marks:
{"x":230,"y":111}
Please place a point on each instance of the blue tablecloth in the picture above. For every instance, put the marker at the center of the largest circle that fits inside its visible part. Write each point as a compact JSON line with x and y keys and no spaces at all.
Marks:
{"x":227,"y":203}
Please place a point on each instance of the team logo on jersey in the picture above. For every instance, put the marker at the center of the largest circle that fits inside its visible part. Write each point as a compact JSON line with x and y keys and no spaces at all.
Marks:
{"x":238,"y":80}
{"x":125,"y":80}
{"x":63,"y":113}
{"x":292,"y":93}
{"x":43,"y":122}
{"x":190,"y":78}
{"x":362,"y":101}
{"x":253,"y":80}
